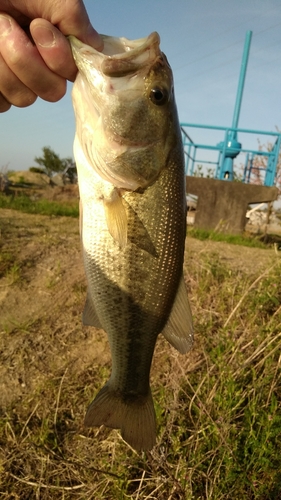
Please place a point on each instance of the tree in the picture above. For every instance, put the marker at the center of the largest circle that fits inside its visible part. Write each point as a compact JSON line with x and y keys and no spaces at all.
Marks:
{"x":51,"y":161}
{"x":260,"y":164}
{"x":70,"y":169}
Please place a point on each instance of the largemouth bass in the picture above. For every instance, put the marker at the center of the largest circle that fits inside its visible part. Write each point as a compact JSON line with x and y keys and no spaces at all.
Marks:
{"x":130,"y":165}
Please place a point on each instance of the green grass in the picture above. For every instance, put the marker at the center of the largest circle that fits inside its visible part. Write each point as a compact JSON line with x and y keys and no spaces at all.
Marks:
{"x":218,"y":408}
{"x":235,"y":239}
{"x":41,"y":206}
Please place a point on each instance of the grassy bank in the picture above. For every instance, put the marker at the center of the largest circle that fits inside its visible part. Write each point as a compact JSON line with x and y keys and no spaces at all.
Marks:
{"x":39,"y":206}
{"x":234,"y":239}
{"x":218,"y":408}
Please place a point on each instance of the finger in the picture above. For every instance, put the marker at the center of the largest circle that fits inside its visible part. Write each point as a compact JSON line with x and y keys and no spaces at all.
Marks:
{"x":13,"y":91}
{"x":75,"y":21}
{"x":4,"y":104}
{"x":70,"y":17}
{"x":24,"y":60}
{"x":54,"y":48}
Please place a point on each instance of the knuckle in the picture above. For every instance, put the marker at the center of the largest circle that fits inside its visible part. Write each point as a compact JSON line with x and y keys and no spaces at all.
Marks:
{"x":20,"y":98}
{"x":16,"y":52}
{"x":23,"y":100}
{"x":54,"y":93}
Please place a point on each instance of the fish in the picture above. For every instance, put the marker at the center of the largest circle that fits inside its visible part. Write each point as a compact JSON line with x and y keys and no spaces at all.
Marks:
{"x":130,"y":164}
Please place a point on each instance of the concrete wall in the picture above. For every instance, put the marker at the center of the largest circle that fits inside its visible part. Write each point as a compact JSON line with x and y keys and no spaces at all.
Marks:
{"x":223,"y":204}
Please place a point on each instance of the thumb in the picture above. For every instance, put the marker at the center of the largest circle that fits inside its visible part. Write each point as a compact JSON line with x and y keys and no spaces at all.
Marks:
{"x":76,"y":22}
{"x":91,"y":37}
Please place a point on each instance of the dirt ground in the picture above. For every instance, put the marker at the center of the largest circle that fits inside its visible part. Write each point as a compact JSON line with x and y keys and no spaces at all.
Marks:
{"x":42,"y":292}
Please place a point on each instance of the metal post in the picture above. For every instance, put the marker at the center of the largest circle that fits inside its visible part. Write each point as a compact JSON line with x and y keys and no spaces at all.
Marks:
{"x":231,"y":147}
{"x":242,"y":77}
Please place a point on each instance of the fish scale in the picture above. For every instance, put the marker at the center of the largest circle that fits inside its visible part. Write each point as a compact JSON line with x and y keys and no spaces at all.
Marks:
{"x":133,"y":221}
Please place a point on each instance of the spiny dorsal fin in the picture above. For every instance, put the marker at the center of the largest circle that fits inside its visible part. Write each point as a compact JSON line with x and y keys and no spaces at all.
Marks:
{"x":116,"y":218}
{"x":179,"y":328}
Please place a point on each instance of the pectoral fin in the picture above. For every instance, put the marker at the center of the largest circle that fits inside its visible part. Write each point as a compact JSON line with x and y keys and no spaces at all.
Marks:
{"x":116,"y":218}
{"x":179,"y":328}
{"x":90,"y":317}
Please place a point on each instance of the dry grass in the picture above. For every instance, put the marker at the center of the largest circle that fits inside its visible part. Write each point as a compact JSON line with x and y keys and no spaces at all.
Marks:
{"x":218,"y":408}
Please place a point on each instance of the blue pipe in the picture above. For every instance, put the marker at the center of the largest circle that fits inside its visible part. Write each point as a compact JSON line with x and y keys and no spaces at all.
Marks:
{"x":242,"y":78}
{"x":231,"y":147}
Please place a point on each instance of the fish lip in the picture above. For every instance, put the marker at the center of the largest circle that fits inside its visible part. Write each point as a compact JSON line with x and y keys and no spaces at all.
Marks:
{"x":141,"y":45}
{"x":135,"y":54}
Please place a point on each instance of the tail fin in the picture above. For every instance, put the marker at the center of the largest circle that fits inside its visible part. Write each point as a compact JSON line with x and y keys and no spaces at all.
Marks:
{"x":135,"y":419}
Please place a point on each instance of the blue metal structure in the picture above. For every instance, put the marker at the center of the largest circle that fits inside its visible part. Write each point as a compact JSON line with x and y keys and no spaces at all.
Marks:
{"x":225,"y":151}
{"x":230,"y":148}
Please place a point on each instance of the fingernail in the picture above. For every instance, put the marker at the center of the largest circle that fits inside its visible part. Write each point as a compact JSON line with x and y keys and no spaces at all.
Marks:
{"x":5,"y":25}
{"x":43,"y":36}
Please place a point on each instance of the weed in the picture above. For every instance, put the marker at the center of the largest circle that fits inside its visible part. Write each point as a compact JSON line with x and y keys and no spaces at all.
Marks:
{"x":6,"y":261}
{"x":13,"y":274}
{"x":54,"y":275}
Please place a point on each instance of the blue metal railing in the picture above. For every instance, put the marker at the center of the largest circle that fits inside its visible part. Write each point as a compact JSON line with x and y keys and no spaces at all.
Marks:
{"x":229,"y":149}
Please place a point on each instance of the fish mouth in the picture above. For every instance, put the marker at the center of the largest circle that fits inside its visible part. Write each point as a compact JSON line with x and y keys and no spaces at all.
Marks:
{"x":120,"y":56}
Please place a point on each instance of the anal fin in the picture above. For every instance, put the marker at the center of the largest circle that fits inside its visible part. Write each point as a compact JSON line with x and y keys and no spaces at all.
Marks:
{"x":90,"y":317}
{"x":179,"y":327}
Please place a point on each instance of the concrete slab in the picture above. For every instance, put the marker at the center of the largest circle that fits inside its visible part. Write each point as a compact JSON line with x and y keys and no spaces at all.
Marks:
{"x":223,"y":204}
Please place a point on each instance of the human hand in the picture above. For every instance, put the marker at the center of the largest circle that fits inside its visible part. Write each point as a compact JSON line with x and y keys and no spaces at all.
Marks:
{"x":39,"y":68}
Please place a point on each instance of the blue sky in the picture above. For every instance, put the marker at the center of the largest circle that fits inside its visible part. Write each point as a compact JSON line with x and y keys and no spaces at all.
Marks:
{"x":203,"y":40}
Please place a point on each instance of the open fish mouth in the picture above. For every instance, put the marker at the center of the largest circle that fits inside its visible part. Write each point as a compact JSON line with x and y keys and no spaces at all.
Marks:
{"x":120,"y":56}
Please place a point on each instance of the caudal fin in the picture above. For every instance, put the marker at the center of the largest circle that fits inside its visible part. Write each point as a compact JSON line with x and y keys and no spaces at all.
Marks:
{"x":136,"y":418}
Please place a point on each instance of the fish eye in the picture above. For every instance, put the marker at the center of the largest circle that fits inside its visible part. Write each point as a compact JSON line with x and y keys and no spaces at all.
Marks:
{"x":159,"y":96}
